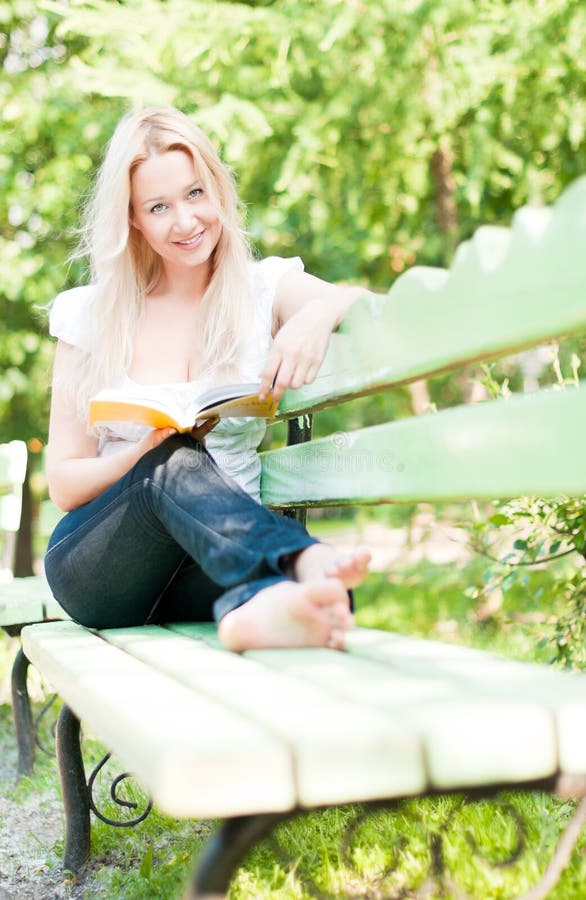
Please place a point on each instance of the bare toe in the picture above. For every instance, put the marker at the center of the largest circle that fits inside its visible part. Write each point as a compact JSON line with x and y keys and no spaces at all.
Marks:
{"x":351,"y":567}
{"x":337,"y":639}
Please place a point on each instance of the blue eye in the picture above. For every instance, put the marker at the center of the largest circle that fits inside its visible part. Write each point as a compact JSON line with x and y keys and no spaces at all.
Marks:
{"x":195,"y":193}
{"x":158,"y":208}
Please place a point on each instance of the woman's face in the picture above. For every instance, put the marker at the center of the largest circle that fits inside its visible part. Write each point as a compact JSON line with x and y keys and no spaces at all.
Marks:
{"x":173,"y":211}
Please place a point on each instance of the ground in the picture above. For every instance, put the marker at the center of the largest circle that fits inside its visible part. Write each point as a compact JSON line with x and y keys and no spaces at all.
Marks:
{"x":31,"y":824}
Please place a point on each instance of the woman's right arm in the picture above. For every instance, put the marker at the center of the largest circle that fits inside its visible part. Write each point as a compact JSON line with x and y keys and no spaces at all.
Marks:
{"x":75,"y":474}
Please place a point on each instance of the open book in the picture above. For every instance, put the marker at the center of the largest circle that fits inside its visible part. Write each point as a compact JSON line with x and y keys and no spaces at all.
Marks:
{"x":132,"y":405}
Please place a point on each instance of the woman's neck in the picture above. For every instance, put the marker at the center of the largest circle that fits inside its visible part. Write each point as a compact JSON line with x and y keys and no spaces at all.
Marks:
{"x":183,"y":283}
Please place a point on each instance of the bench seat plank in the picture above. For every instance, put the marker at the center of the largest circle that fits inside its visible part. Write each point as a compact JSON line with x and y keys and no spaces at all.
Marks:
{"x":503,"y":735}
{"x":343,"y":752}
{"x":194,"y":756}
{"x":17,"y":610}
{"x":13,"y":459}
{"x":27,"y":600}
{"x":486,"y":674}
{"x":499,"y":449}
{"x":54,"y":610}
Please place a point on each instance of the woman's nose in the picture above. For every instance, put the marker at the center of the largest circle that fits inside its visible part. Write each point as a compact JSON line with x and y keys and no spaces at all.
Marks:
{"x":184,"y":218}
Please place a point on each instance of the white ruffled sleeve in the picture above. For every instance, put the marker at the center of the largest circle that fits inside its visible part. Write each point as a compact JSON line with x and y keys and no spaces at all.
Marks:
{"x":69,"y":316}
{"x":265,"y":275}
{"x":269,"y":272}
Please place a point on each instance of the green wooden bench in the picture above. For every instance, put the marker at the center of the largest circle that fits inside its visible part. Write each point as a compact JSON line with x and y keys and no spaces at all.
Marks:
{"x":259,"y":737}
{"x":13,"y":457}
{"x":22,"y":600}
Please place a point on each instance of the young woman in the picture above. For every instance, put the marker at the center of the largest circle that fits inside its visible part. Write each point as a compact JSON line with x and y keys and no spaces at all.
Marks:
{"x":162,"y":526}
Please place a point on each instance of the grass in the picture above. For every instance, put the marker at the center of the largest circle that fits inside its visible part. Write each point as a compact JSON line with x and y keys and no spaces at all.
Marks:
{"x":440,"y":847}
{"x":427,"y":600}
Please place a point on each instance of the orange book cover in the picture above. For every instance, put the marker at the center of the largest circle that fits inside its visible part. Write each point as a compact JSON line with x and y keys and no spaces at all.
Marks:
{"x":123,"y":405}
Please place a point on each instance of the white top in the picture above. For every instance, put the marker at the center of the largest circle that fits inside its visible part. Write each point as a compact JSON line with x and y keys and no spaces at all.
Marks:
{"x":233,"y":442}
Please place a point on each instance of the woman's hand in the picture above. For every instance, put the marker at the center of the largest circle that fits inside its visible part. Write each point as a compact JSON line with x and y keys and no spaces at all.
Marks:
{"x":298,"y":349}
{"x":156,"y":436}
{"x":305,"y":312}
{"x":151,"y":440}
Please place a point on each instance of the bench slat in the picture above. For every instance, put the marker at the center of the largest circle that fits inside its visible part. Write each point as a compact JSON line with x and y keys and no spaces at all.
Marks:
{"x":13,"y":459}
{"x":27,"y":600}
{"x":482,"y":719}
{"x":502,"y":448}
{"x":194,"y":756}
{"x":487,"y":674}
{"x":367,"y":756}
{"x":507,"y":289}
{"x":53,"y":610}
{"x":478,"y":727}
{"x":21,"y":610}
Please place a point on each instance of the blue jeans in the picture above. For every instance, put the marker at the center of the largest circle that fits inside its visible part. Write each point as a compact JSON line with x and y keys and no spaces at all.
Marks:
{"x":174,"y":539}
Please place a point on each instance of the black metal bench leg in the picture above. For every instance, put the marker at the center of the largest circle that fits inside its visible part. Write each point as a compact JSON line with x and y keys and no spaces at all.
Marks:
{"x":75,"y":791}
{"x":227,"y":848}
{"x":23,"y":719}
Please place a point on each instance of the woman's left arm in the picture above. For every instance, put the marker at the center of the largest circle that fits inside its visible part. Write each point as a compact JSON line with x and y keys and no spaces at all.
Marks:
{"x":305,"y":312}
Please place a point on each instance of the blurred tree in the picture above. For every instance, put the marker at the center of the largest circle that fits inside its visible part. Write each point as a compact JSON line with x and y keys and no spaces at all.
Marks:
{"x":372,"y":126}
{"x":49,"y":142}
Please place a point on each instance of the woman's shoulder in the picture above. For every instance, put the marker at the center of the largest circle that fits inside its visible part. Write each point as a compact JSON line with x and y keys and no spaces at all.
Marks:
{"x":69,"y":315}
{"x":268,"y":271}
{"x":265,"y":276}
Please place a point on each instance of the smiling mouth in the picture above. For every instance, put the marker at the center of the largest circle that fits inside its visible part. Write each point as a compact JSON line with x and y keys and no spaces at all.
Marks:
{"x":190,"y":241}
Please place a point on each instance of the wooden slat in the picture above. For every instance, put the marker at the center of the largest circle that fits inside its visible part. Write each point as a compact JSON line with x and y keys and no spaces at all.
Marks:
{"x":27,"y":600}
{"x":49,"y":516}
{"x":471,"y":737}
{"x":507,"y":289}
{"x":20,"y":611}
{"x":195,"y":757}
{"x":10,"y":511}
{"x":53,"y":610}
{"x":13,"y":458}
{"x":529,"y":444}
{"x":342,"y":752}
{"x":562,"y":693}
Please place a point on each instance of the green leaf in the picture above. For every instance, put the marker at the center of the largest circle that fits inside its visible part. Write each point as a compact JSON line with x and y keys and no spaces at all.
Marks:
{"x":146,"y":865}
{"x":500,"y":519}
{"x":508,"y":581}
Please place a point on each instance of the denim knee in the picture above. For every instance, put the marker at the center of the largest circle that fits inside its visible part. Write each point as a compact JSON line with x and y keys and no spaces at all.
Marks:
{"x":173,"y":456}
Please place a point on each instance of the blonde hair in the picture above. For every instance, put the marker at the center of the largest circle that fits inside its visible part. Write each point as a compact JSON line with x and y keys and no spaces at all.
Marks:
{"x":124,"y":268}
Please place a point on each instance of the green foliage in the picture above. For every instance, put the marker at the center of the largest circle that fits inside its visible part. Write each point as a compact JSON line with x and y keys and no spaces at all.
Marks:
{"x":532,"y":532}
{"x":49,"y":142}
{"x":331,"y":114}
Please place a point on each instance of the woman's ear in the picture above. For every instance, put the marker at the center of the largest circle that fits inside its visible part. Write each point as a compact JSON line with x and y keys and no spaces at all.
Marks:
{"x":131,"y":219}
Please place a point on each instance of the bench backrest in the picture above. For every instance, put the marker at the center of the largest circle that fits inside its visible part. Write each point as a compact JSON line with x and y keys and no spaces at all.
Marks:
{"x":508,"y":289}
{"x":13,"y":460}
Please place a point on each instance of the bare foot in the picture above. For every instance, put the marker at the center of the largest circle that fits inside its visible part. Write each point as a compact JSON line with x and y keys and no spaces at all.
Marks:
{"x":288,"y":614}
{"x":322,"y":560}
